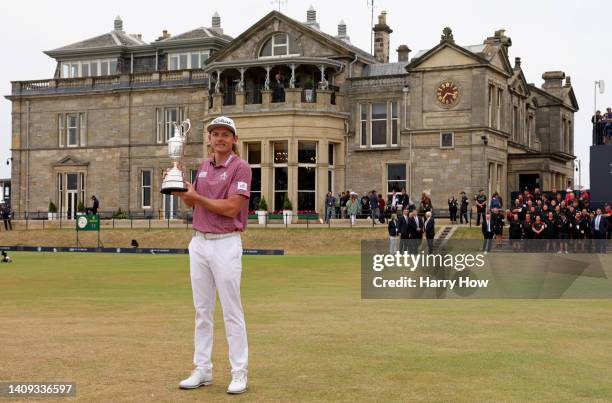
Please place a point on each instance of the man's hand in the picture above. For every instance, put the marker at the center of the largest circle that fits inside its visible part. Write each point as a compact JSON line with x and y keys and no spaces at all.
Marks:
{"x":190,"y":196}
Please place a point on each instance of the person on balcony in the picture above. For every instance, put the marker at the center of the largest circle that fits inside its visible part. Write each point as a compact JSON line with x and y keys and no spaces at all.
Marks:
{"x":278,"y":88}
{"x":596,"y":120}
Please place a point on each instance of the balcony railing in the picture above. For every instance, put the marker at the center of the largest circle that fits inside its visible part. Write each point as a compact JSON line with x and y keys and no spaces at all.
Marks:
{"x":86,"y":84}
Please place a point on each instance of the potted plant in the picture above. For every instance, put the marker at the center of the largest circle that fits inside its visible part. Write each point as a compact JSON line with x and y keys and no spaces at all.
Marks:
{"x":287,"y":210}
{"x":262,"y":211}
{"x":52,"y":214}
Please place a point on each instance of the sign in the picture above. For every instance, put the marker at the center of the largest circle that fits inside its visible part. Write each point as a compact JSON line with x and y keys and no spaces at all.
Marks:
{"x":88,"y":222}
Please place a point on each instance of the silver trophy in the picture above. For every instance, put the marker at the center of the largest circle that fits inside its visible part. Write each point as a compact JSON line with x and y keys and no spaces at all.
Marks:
{"x":174,"y":180}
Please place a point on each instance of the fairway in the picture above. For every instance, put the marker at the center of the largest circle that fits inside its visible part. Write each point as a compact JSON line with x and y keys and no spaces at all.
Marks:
{"x":121,"y":327}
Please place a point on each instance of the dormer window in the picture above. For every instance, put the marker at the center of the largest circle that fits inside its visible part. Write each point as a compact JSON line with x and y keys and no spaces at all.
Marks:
{"x":187,"y":60}
{"x":88,"y":68}
{"x":280,"y":45}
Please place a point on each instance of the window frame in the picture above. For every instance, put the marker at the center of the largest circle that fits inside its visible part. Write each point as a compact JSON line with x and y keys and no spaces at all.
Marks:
{"x":452,"y":146}
{"x":388,"y":181}
{"x":176,"y":56}
{"x":144,"y":187}
{"x":76,"y":127}
{"x":274,"y":45}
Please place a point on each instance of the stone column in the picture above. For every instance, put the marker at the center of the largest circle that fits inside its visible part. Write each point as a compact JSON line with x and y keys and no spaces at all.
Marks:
{"x":267,"y":186}
{"x":323,"y":84}
{"x":217,"y":102}
{"x":322,"y":168}
{"x":324,"y":98}
{"x":241,"y":83}
{"x":292,"y":79}
{"x":240,"y":101}
{"x":266,"y":98}
{"x":292,"y":173}
{"x":293,"y":96}
{"x":267,"y":82}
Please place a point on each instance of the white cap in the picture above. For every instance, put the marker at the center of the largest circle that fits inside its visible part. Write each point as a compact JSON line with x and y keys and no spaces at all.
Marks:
{"x":222,"y":121}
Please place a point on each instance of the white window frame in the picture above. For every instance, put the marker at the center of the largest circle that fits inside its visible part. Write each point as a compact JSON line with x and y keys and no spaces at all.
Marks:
{"x":363,"y":136}
{"x":386,"y":120}
{"x":308,"y":165}
{"x":66,"y":70}
{"x":75,"y":127}
{"x":387,"y":192}
{"x":273,"y":46}
{"x":144,"y":187}
{"x":279,"y":165}
{"x":203,"y":55}
{"x":168,"y":126}
{"x":394,"y":123}
{"x":499,"y":108}
{"x":490,"y":104}
{"x":442,"y":146}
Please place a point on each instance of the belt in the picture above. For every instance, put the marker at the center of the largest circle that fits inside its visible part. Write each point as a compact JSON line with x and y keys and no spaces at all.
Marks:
{"x":211,"y":236}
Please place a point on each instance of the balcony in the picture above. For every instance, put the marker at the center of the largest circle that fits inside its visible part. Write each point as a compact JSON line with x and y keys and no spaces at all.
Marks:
{"x":106,"y":83}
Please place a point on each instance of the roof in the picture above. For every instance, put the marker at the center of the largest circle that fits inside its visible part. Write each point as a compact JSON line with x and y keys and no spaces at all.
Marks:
{"x":472,"y":48}
{"x":110,"y":39}
{"x":198,"y":33}
{"x":385,"y":69}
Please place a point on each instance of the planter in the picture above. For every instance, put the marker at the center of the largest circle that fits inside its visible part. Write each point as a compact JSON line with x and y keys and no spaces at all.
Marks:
{"x":309,"y":95}
{"x":262,"y":217}
{"x":51,"y":216}
{"x":287,"y":216}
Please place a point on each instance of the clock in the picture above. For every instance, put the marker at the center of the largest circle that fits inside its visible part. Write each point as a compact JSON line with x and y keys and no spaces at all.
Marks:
{"x":82,"y":222}
{"x":447,"y":93}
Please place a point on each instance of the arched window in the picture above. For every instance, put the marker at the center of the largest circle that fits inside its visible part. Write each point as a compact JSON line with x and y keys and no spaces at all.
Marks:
{"x":278,"y":45}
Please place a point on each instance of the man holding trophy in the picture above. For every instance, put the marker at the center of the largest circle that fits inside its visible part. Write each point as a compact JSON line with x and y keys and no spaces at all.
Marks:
{"x":219,"y":198}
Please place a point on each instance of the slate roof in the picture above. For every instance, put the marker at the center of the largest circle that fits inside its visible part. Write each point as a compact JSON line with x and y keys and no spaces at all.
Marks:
{"x":110,"y":39}
{"x":384,"y":69}
{"x":198,"y":33}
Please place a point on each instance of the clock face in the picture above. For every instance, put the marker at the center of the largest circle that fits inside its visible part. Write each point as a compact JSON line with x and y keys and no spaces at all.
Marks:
{"x":82,"y":222}
{"x":447,"y":93}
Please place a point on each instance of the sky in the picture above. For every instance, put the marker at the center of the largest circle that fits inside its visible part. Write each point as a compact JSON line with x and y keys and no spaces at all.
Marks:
{"x":547,"y":35}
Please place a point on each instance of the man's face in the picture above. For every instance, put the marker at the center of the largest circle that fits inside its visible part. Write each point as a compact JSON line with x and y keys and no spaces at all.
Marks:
{"x":221,"y":139}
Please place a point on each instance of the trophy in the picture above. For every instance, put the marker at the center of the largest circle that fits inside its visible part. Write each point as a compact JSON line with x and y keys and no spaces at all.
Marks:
{"x":174,"y":178}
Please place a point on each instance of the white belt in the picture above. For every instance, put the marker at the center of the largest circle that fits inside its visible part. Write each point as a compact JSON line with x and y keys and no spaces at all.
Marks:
{"x":211,"y":236}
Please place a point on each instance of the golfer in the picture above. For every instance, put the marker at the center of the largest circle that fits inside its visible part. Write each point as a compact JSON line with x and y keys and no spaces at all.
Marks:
{"x":219,"y":198}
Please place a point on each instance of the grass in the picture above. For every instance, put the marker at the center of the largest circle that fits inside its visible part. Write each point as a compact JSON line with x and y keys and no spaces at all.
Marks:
{"x":121,"y":327}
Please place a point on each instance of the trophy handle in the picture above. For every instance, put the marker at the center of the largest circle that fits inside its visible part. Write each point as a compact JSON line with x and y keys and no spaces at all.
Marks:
{"x":187,"y":123}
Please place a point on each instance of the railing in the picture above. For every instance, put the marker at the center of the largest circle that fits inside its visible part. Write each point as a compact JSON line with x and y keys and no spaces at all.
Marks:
{"x":85,"y":84}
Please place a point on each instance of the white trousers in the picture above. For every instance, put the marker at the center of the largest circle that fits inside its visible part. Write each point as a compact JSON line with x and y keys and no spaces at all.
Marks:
{"x":216,"y":266}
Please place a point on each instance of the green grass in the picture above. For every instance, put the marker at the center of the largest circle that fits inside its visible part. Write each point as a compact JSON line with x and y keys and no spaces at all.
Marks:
{"x":121,"y":327}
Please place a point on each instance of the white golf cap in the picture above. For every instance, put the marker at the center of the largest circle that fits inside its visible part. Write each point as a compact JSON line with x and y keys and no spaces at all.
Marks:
{"x":222,"y":121}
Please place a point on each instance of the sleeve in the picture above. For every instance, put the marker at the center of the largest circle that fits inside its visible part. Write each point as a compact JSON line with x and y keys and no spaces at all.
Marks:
{"x":241,"y":182}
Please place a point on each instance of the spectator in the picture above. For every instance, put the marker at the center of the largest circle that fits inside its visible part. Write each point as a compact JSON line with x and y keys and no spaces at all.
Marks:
{"x":497,"y":216}
{"x":464,"y":208}
{"x":352,"y":207}
{"x":452,"y":209}
{"x":487,"y":232}
{"x":96,"y":205}
{"x":600,"y":229}
{"x":481,"y":205}
{"x":597,"y":121}
{"x":373,"y":200}
{"x":394,"y":233}
{"x":330,"y":206}
{"x":430,"y":230}
{"x":495,"y":201}
{"x":381,"y":209}
{"x":6,"y":213}
{"x":404,"y":230}
{"x":426,"y":203}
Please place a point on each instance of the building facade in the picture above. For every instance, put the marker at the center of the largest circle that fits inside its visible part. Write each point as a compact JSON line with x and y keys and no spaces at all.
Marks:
{"x":314,"y":114}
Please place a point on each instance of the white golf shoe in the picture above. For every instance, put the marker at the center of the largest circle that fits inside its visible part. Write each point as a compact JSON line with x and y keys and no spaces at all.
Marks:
{"x":238,"y":384}
{"x":199,"y":377}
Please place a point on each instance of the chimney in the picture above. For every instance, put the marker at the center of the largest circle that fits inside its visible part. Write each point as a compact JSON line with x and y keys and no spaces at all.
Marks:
{"x":342,"y":32}
{"x":517,"y":63}
{"x":311,"y":18}
{"x":118,"y":26}
{"x":216,"y":23}
{"x":382,"y":34}
{"x":568,"y":81}
{"x":402,"y":53}
{"x":499,"y":38}
{"x":165,"y":35}
{"x":553,"y":79}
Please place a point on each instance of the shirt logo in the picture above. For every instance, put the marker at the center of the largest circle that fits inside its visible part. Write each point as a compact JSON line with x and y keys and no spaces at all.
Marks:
{"x":242,"y":186}
{"x":223,"y":176}
{"x":202,"y":174}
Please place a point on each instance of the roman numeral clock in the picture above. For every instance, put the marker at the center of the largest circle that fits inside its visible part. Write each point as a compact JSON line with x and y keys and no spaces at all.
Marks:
{"x":447,"y":94}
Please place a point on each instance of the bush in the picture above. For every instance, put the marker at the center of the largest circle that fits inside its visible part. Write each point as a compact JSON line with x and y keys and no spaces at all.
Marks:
{"x":52,"y":207}
{"x":262,"y":205}
{"x":287,"y":203}
{"x":120,"y":214}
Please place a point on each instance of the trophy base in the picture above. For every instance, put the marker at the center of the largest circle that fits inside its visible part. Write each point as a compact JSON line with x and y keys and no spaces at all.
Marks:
{"x":168,"y":191}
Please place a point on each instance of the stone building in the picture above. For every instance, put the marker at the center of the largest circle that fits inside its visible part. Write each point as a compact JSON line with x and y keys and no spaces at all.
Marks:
{"x":314,"y":114}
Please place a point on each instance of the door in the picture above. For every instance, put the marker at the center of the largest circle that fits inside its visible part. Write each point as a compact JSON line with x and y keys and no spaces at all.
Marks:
{"x":72,"y":195}
{"x":171,"y":206}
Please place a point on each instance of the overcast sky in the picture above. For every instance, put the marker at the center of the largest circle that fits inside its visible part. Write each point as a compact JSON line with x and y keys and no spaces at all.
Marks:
{"x":547,"y":35}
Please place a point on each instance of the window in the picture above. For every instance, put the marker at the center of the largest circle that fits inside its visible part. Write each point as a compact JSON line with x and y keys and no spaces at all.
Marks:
{"x":447,"y":140}
{"x":330,"y":170}
{"x":187,"y":60}
{"x":82,"y":187}
{"x":88,"y":68}
{"x":146,"y":189}
{"x":330,"y":154}
{"x":499,"y":109}
{"x":396,"y":177}
{"x":60,"y":192}
{"x":364,"y":122}
{"x":379,"y":125}
{"x":281,"y":157}
{"x":165,"y":118}
{"x":307,"y":175}
{"x":73,"y":130}
{"x":254,"y":159}
{"x":490,"y":104}
{"x":394,"y":123}
{"x":281,"y":44}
